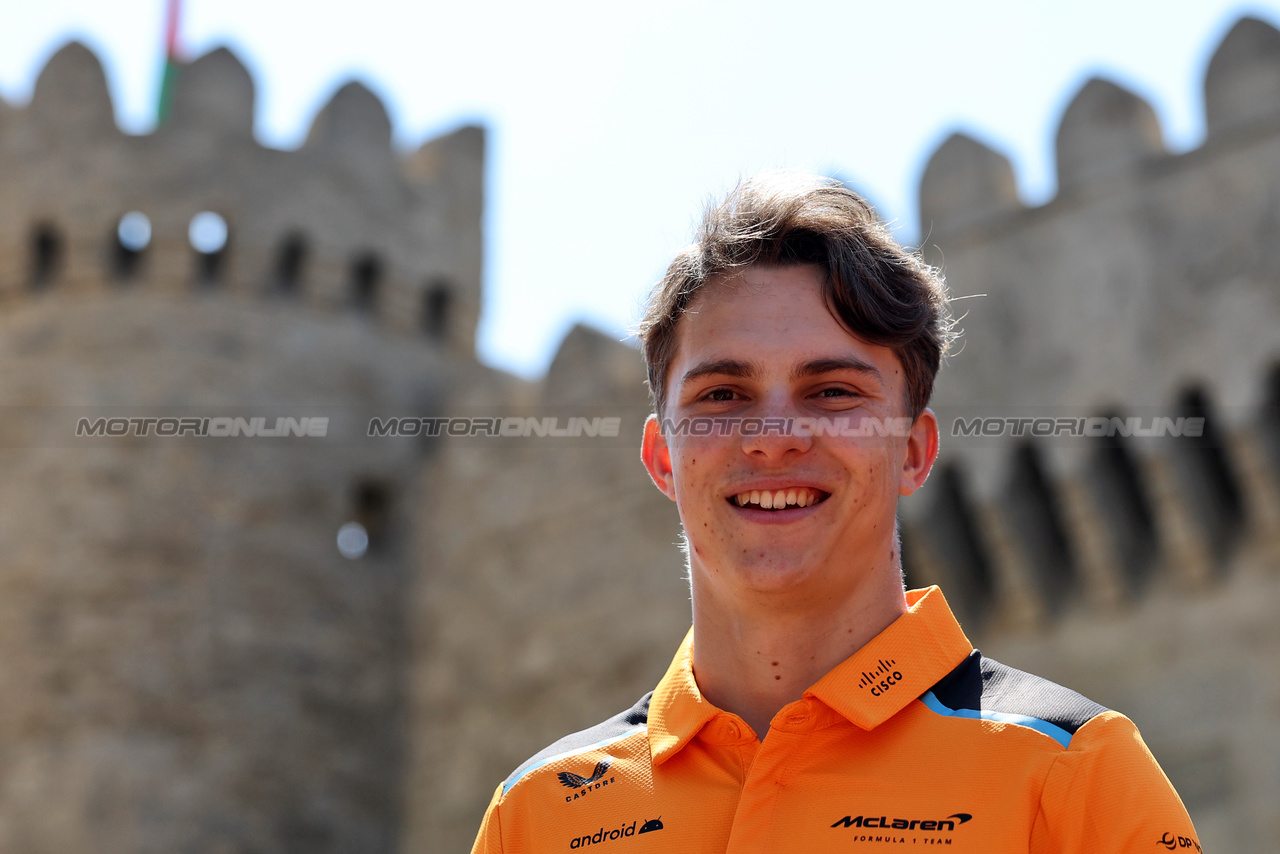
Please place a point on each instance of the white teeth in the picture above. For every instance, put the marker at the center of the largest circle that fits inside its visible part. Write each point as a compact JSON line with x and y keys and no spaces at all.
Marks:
{"x":796,"y":496}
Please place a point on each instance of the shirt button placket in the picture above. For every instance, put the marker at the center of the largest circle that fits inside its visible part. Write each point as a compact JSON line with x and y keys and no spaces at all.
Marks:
{"x":753,"y":820}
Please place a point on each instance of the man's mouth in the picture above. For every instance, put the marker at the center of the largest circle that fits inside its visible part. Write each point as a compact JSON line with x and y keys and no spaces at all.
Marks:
{"x":780,"y":499}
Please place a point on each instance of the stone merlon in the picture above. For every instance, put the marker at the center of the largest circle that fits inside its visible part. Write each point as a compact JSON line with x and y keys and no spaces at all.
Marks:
{"x":215,"y":93}
{"x":1106,"y":131}
{"x":71,"y":92}
{"x":965,"y":182}
{"x":353,"y":120}
{"x":1242,"y":85}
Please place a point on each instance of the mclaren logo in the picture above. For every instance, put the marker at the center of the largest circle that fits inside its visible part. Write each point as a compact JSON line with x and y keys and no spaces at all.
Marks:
{"x":884,"y":823}
{"x":582,"y":785}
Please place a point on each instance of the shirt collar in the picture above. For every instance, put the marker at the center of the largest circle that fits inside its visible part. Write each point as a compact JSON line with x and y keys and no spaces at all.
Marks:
{"x":909,"y":657}
{"x":898,"y":665}
{"x":677,"y":709}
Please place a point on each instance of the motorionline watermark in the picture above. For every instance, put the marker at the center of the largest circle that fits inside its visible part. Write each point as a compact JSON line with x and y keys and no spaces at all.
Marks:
{"x":980,"y":426}
{"x":377,"y":427}
{"x":215,"y":426}
{"x":1098,"y":426}
{"x":517,"y":427}
{"x":609,"y":426}
{"x":557,"y":427}
{"x":844,"y":427}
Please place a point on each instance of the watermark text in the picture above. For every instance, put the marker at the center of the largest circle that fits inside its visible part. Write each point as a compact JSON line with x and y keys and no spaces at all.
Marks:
{"x":1092,"y":427}
{"x":221,"y":426}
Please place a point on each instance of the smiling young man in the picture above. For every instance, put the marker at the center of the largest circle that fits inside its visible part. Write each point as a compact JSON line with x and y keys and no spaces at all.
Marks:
{"x":815,"y":704}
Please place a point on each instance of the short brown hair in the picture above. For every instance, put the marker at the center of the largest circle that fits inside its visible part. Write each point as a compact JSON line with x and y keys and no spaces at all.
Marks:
{"x":877,"y":290}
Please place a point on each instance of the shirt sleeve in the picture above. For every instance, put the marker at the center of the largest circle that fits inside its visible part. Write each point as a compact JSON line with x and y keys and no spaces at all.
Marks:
{"x":489,"y":839}
{"x":1106,"y":793}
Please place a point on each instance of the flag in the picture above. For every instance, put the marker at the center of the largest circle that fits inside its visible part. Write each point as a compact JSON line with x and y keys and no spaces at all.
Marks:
{"x":169,"y":75}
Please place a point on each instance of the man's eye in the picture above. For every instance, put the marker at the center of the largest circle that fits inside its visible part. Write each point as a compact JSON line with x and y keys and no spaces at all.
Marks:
{"x":836,"y":393}
{"x":720,"y":394}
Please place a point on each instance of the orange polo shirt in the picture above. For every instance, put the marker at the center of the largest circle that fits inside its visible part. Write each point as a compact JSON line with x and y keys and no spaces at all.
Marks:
{"x":916,"y":740}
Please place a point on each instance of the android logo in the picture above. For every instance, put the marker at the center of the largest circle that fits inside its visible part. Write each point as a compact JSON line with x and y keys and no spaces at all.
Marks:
{"x":652,"y":824}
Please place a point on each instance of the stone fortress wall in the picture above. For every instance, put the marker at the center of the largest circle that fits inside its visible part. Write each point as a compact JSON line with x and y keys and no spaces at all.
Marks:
{"x":191,"y":665}
{"x":365,"y":230}
{"x":1138,"y":570}
{"x":187,"y":661}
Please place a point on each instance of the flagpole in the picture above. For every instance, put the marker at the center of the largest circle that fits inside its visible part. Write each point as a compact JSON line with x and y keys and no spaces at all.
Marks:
{"x":169,"y":75}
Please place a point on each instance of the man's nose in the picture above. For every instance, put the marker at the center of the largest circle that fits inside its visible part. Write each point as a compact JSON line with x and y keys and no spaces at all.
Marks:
{"x":771,"y":430}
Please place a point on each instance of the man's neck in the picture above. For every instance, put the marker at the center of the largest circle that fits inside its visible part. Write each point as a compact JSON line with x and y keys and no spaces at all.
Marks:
{"x":752,"y":661}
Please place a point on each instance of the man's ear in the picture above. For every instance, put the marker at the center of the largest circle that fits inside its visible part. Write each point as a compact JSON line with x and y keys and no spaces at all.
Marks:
{"x":657,"y":457}
{"x":921,"y":451}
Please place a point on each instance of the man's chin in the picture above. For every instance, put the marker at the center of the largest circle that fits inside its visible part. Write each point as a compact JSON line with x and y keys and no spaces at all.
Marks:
{"x":766,"y":571}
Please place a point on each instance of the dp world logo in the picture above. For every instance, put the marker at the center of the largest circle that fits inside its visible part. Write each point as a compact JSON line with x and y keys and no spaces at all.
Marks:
{"x":1175,"y":842}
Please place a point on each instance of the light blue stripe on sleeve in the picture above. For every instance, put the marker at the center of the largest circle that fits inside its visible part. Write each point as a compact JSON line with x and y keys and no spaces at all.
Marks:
{"x":1054,"y":731}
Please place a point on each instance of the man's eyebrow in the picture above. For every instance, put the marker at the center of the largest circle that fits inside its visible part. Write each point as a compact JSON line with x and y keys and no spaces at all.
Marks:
{"x":827,"y":366}
{"x":722,"y":368}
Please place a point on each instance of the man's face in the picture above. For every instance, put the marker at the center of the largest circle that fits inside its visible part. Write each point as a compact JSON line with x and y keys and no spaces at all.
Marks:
{"x":763,"y":346}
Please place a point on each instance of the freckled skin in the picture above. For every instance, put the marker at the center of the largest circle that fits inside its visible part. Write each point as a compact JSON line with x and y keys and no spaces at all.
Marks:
{"x":780,"y":328}
{"x":786,"y":584}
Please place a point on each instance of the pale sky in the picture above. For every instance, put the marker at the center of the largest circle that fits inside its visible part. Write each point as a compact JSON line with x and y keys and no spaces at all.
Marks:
{"x":610,"y":125}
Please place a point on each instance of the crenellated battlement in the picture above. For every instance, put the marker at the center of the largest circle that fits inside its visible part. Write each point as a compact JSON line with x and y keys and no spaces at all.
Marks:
{"x":1107,"y":139}
{"x":343,"y":224}
{"x":1149,"y":273}
{"x":195,"y":664}
{"x":1143,"y":293}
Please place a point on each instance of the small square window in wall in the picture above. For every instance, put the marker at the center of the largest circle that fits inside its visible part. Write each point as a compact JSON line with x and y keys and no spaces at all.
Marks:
{"x":209,"y":235}
{"x":369,"y":528}
{"x":45,"y":260}
{"x":291,"y":262}
{"x":437,"y":305}
{"x":1269,"y":423}
{"x":366,"y":278}
{"x":129,"y":242}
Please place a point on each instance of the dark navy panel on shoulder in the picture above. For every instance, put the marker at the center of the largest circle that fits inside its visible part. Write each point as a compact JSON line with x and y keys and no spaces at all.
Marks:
{"x":985,"y":685}
{"x":617,"y":727}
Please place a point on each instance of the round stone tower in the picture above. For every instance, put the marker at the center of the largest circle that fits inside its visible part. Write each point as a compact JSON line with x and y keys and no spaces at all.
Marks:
{"x":189,"y":661}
